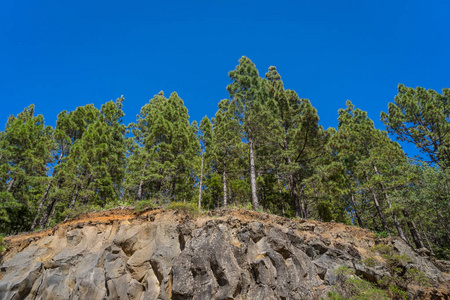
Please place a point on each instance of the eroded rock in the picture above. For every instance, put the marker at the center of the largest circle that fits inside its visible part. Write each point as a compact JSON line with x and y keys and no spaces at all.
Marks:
{"x":167,"y":255}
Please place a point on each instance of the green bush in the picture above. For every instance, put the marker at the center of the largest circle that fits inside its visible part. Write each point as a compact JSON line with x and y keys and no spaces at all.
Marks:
{"x":187,"y":208}
{"x":370,"y":262}
{"x":418,"y":277}
{"x":2,"y":245}
{"x":143,"y":204}
{"x":397,"y":293}
{"x":382,"y":249}
{"x":344,"y":270}
{"x":382,"y":234}
{"x":335,"y":296}
{"x":356,"y":288}
{"x":361,"y":289}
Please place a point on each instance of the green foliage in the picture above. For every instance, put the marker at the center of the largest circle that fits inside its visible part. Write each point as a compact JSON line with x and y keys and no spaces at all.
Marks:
{"x":370,"y":262}
{"x":344,"y":270}
{"x":397,"y":293}
{"x":144,"y":204}
{"x":382,"y":249}
{"x":382,"y":234}
{"x":360,"y":289}
{"x":335,"y":296}
{"x":186,"y":208}
{"x":354,"y":287}
{"x":421,"y":117}
{"x":2,"y":245}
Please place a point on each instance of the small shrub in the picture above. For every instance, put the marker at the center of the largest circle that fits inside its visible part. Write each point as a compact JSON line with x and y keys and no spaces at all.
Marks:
{"x":344,"y":270}
{"x":382,"y":234}
{"x":370,"y":262}
{"x":2,"y":245}
{"x":143,"y":204}
{"x":361,"y":290}
{"x":356,"y":288}
{"x":418,"y":277}
{"x":401,"y":259}
{"x":335,"y":296}
{"x":382,"y":249}
{"x":397,"y":293}
{"x":187,"y":208}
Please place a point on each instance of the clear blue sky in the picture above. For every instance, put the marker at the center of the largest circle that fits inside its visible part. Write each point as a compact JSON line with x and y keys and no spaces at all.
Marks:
{"x":63,"y":54}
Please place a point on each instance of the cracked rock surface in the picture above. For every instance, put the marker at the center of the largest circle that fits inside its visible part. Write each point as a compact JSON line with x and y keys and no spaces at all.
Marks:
{"x":164,"y":254}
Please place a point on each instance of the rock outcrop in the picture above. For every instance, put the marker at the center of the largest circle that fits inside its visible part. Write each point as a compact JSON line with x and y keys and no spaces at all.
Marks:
{"x":165,"y":254}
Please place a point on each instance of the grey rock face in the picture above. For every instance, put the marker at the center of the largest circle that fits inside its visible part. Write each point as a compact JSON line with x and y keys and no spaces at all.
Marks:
{"x":163,"y":255}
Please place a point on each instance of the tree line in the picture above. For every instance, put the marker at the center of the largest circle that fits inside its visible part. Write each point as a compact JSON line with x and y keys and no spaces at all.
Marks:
{"x":263,"y":149}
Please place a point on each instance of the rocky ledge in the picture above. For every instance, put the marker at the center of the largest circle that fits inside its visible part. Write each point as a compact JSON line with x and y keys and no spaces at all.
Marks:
{"x":226,"y":254}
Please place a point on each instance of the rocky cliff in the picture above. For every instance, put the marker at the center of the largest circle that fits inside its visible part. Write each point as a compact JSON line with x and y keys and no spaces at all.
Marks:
{"x":227,"y":254}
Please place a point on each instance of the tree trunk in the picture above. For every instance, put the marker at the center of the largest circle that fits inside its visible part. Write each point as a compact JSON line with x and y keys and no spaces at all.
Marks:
{"x":47,"y":212}
{"x":426,"y":239}
{"x":377,"y":205}
{"x":10,"y":184}
{"x":394,"y":217}
{"x":51,"y":216}
{"x":201,"y":183}
{"x":224,"y":178}
{"x":281,"y":194}
{"x":41,"y":205}
{"x":185,"y":192}
{"x":412,"y":228}
{"x":72,"y":203}
{"x":294,"y":194}
{"x":356,"y":211}
{"x":255,"y":204}
{"x":304,"y":204}
{"x":50,"y":207}
{"x":139,"y":193}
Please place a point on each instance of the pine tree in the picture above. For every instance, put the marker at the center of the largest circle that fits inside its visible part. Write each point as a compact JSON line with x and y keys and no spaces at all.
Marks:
{"x":166,"y":145}
{"x":25,"y":152}
{"x":227,"y":144}
{"x":205,"y":134}
{"x":300,"y":138}
{"x":247,"y":95}
{"x":422,"y":117}
{"x":70,"y":127}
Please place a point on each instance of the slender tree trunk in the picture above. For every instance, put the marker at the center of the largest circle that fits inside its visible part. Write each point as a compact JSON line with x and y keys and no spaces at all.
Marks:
{"x":51,"y":216}
{"x":50,"y":207}
{"x":139,"y":193}
{"x":172,"y":196}
{"x":281,"y":194}
{"x":41,"y":205}
{"x":74,"y":200}
{"x":47,"y":212}
{"x":255,"y":204}
{"x":10,"y":184}
{"x":426,"y":239}
{"x":304,"y":203}
{"x":356,"y":211}
{"x":201,"y":184}
{"x":412,"y":228}
{"x":224,"y":178}
{"x":160,"y":181}
{"x":185,"y":192}
{"x":294,"y":194}
{"x":377,"y":205}
{"x":394,"y":217}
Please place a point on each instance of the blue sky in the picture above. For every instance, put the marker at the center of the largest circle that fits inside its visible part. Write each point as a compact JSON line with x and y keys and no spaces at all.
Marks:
{"x":63,"y":54}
